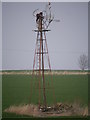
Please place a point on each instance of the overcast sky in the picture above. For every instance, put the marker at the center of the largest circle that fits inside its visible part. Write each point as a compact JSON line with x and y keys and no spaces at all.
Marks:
{"x":67,"y":39}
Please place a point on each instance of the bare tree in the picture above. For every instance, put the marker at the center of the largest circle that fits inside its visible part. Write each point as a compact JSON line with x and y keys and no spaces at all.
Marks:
{"x":83,"y":62}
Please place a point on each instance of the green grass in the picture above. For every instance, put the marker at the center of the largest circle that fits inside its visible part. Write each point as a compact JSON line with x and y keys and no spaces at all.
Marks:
{"x":68,"y":88}
{"x":46,"y":70}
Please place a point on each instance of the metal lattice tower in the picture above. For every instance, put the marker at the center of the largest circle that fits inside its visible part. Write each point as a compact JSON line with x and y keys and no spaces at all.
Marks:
{"x":43,"y":20}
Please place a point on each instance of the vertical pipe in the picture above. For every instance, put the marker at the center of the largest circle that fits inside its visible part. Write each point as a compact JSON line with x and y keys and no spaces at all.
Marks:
{"x":39,"y":72}
{"x":41,"y":39}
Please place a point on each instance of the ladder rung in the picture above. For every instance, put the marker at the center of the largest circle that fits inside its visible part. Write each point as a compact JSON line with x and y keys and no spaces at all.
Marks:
{"x":40,"y":39}
{"x":41,"y":52}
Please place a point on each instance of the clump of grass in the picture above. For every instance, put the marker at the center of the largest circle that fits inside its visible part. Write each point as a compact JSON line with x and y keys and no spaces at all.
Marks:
{"x":32,"y":110}
{"x":79,"y":109}
{"x":26,"y":109}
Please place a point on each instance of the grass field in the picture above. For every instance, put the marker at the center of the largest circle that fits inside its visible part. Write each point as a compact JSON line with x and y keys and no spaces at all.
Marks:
{"x":68,"y":88}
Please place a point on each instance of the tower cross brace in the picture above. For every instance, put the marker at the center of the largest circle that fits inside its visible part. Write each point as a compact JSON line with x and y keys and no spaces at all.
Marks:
{"x":40,"y":51}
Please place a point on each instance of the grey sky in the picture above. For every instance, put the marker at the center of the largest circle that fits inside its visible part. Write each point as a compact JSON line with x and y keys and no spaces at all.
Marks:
{"x":0,"y":36}
{"x":45,"y":0}
{"x":66,"y":41}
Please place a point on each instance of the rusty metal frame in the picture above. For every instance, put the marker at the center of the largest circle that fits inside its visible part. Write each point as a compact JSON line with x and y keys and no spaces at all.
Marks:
{"x":40,"y":53}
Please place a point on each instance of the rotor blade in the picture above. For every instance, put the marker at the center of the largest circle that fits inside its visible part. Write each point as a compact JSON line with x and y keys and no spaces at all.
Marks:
{"x":34,"y":12}
{"x":56,"y":20}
